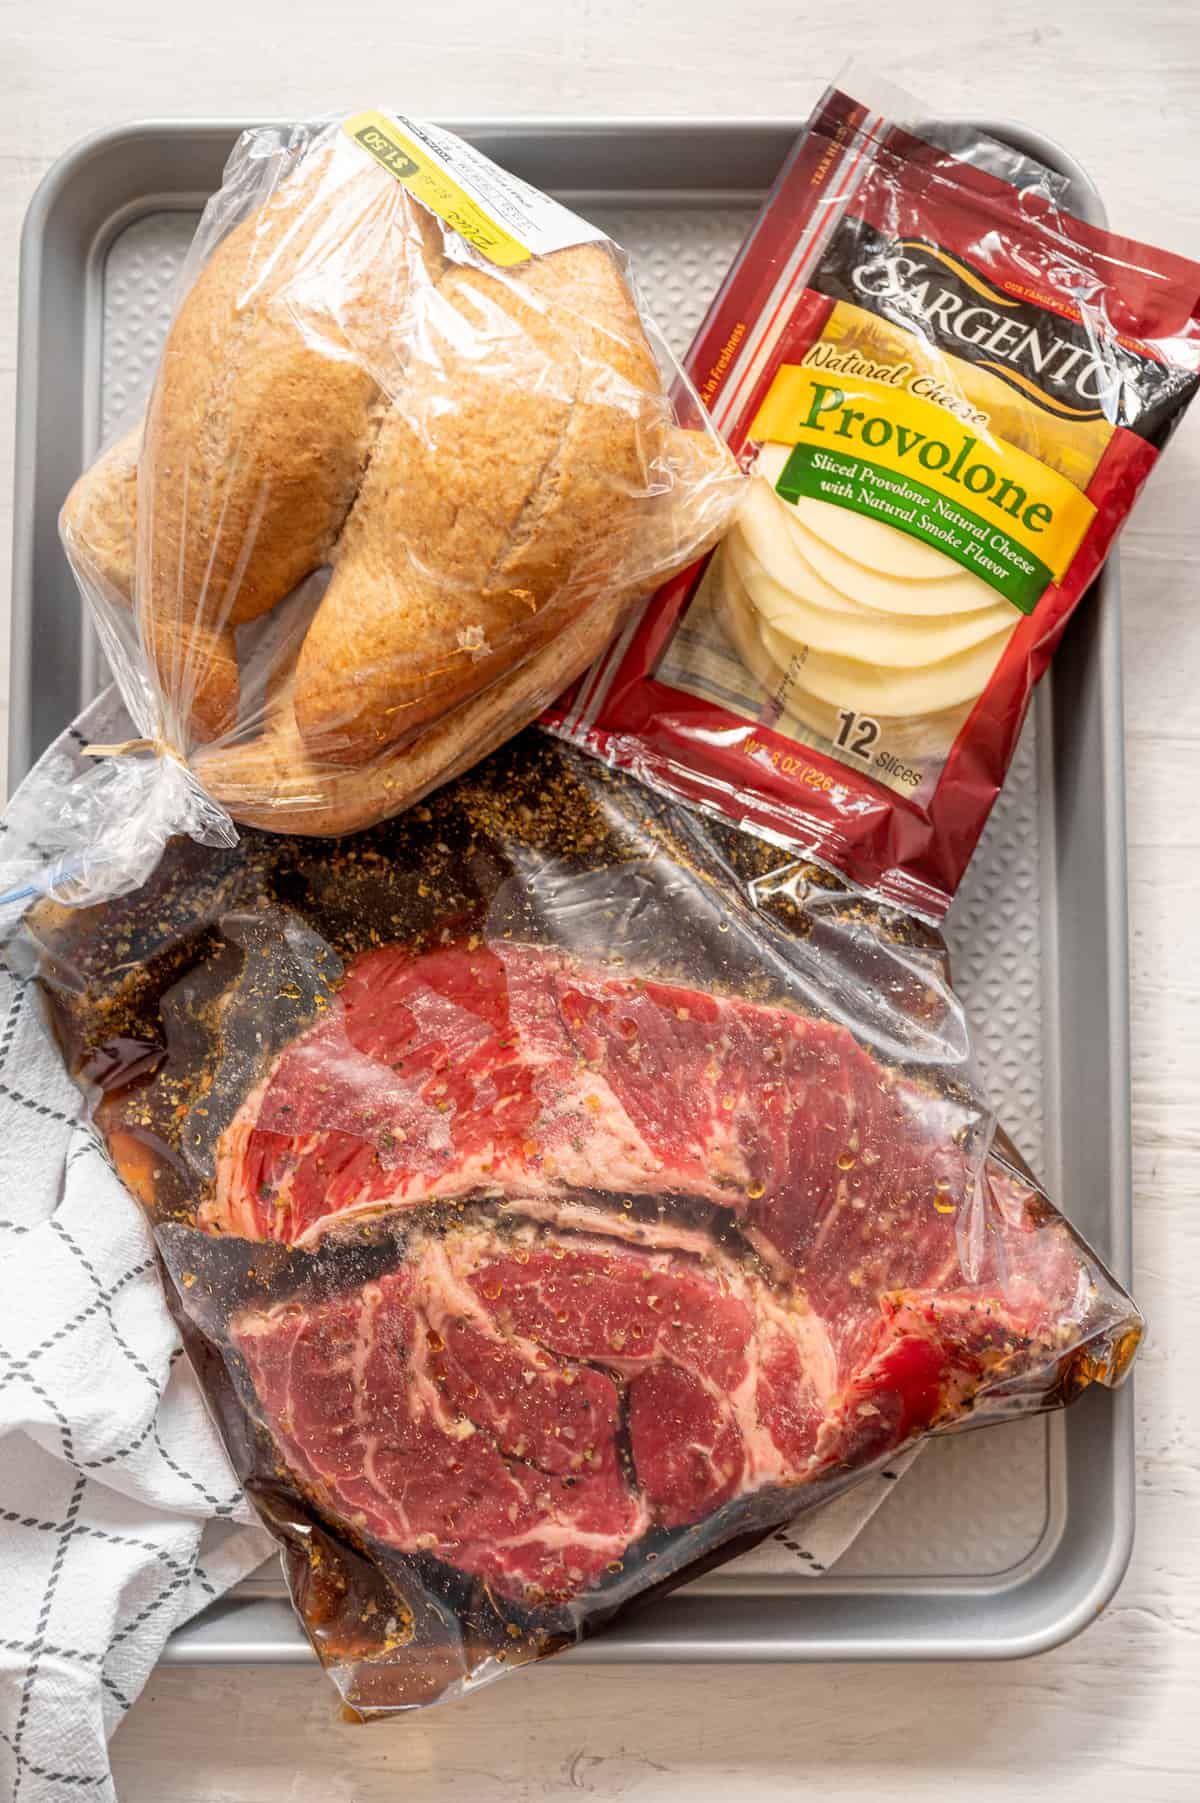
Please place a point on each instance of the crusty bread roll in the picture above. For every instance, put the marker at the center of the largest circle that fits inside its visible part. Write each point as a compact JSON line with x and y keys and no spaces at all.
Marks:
{"x":266,"y":404}
{"x":497,"y":502}
{"x":98,"y":521}
{"x":485,"y":457}
{"x":99,"y":526}
{"x":272,"y":780}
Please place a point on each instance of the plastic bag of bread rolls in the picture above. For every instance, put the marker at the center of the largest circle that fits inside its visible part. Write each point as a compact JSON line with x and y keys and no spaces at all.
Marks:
{"x":412,"y":450}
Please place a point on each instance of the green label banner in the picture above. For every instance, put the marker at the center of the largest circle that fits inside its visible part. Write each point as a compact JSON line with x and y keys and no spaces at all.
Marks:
{"x":979,"y":545}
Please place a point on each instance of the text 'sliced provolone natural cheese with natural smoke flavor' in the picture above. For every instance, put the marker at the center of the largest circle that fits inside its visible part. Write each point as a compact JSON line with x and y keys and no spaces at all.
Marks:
{"x":948,"y":391}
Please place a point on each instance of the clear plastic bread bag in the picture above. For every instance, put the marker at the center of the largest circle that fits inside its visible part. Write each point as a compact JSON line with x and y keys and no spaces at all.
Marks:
{"x":557,"y":1191}
{"x":412,"y":448}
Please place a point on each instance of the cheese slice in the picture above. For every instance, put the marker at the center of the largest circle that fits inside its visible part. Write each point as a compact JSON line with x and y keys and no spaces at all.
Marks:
{"x":778,"y":535}
{"x":800,"y":714}
{"x":856,"y":535}
{"x":952,"y":590}
{"x":895,"y":640}
{"x":764,"y":528}
{"x":962,"y":593}
{"x":742,"y":622}
{"x":884,"y":692}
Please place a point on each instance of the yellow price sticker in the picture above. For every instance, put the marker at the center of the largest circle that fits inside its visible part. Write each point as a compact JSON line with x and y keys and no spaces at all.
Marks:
{"x":428,"y":182}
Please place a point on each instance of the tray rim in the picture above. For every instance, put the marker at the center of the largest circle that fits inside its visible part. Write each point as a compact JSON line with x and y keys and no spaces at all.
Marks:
{"x":240,"y":1629}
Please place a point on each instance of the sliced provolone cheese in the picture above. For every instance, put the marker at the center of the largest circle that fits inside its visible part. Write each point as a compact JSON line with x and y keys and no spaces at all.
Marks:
{"x":954,"y":590}
{"x":742,"y":623}
{"x":960,"y":594}
{"x":856,"y":535}
{"x":878,"y":690}
{"x":927,"y":735}
{"x":899,"y":641}
{"x":762,"y":523}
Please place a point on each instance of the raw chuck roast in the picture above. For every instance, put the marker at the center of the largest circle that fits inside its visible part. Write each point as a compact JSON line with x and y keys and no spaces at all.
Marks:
{"x":560,"y":1193}
{"x":525,"y":1399}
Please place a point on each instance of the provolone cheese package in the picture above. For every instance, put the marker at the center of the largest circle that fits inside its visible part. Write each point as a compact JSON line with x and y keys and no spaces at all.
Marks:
{"x":948,"y":392}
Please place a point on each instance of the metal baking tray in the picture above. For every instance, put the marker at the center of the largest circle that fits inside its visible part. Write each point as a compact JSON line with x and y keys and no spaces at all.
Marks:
{"x":995,"y":1544}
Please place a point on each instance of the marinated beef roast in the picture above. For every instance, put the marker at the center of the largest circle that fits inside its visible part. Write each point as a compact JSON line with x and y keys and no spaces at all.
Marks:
{"x":559,"y":1193}
{"x":473,"y":1403}
{"x":512,"y":1070}
{"x":526,"y":1404}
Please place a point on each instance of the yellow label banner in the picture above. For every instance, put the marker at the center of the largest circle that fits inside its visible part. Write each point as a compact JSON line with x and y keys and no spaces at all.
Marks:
{"x":878,"y":418}
{"x":425,"y":178}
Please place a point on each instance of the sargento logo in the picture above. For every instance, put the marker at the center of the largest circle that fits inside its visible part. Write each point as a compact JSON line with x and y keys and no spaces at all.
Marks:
{"x":924,"y":284}
{"x":922,"y":287}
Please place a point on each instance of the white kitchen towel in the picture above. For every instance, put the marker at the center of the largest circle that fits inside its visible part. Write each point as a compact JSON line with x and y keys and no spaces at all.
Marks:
{"x":110,"y":1469}
{"x":120,"y":1516}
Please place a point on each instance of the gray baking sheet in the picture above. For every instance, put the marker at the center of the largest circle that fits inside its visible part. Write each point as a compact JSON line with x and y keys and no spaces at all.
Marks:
{"x":993,"y":1543}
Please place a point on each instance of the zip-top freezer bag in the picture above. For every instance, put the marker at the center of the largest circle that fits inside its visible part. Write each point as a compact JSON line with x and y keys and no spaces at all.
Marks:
{"x":412,"y":450}
{"x":557,"y":1191}
{"x":948,"y":392}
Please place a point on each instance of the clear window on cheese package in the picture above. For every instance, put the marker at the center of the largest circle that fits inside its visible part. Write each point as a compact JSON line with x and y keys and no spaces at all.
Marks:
{"x":412,"y":450}
{"x":947,"y":391}
{"x":558,"y":1190}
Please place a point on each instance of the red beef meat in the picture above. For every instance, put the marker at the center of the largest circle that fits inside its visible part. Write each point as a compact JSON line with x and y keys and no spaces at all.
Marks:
{"x":470,"y":1404}
{"x":509,"y":1070}
{"x":525,"y":1398}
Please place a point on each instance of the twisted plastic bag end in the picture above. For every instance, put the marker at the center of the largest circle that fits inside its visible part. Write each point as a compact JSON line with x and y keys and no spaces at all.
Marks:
{"x":101,"y":834}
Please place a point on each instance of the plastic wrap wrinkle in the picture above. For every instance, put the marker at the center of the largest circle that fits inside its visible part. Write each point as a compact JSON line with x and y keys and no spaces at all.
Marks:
{"x":560,"y":1191}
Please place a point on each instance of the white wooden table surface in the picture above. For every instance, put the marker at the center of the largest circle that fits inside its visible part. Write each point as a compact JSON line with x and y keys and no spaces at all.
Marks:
{"x":1117,"y":1713}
